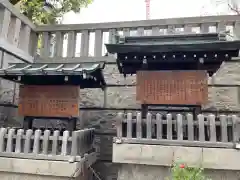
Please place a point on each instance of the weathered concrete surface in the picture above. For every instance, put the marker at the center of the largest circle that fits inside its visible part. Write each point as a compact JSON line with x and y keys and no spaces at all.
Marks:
{"x":106,"y":170}
{"x":221,"y":158}
{"x":143,"y":172}
{"x":210,"y":158}
{"x":18,"y":176}
{"x":26,"y":169}
{"x":8,"y":89}
{"x":39,"y":167}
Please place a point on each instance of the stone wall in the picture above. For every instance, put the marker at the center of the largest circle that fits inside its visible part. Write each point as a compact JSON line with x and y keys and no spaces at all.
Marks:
{"x":141,"y":161}
{"x":107,"y":170}
{"x":219,"y":98}
{"x":119,"y":97}
{"x":8,"y":89}
{"x":7,"y":176}
{"x":143,"y":172}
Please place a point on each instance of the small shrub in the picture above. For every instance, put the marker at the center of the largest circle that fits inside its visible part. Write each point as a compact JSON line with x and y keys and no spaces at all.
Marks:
{"x":180,"y":171}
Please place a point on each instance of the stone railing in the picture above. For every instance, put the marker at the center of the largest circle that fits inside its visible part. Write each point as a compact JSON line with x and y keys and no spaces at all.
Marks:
{"x":18,"y":42}
{"x":44,"y":145}
{"x":79,"y":37}
{"x":183,"y":130}
{"x":17,"y":35}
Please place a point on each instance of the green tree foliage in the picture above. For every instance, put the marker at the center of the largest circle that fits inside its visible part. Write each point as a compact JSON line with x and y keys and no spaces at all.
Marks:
{"x":34,"y":9}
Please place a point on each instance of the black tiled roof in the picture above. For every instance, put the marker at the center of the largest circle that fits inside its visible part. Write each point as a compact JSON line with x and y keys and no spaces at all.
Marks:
{"x":87,"y":75}
{"x":172,"y":43}
{"x":173,"y":52}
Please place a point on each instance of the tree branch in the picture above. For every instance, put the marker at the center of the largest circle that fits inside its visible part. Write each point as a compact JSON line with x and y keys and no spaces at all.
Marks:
{"x":236,"y":10}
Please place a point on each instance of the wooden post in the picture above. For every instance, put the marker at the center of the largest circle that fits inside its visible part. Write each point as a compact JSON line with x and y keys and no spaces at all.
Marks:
{"x":71,"y":124}
{"x":27,"y":123}
{"x":144,"y":110}
{"x":196,"y":110}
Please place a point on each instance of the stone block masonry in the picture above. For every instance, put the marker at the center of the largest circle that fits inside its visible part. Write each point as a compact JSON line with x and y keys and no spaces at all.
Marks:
{"x":145,"y":161}
{"x":42,"y":169}
{"x":143,"y":172}
{"x":125,"y":97}
{"x":193,"y":156}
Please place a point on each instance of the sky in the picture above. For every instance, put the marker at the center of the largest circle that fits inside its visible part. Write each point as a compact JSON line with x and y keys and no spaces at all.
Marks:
{"x":130,"y":10}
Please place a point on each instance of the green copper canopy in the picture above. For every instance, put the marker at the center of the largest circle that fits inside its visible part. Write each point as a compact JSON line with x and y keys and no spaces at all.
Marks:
{"x":173,"y":52}
{"x":87,"y":75}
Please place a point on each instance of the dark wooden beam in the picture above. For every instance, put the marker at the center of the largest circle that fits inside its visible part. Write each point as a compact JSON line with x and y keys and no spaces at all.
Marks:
{"x":209,"y":85}
{"x":98,"y":108}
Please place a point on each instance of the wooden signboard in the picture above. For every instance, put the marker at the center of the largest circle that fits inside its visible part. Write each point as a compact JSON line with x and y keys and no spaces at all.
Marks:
{"x":49,"y":101}
{"x":172,"y":87}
